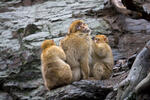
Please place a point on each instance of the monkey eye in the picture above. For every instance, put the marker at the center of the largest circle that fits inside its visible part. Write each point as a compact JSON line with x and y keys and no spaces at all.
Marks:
{"x":83,"y":24}
{"x":97,"y":39}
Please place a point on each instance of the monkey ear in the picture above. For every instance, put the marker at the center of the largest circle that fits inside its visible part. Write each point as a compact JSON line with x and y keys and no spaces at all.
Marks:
{"x":69,"y":31}
{"x":106,"y":40}
{"x":52,"y":40}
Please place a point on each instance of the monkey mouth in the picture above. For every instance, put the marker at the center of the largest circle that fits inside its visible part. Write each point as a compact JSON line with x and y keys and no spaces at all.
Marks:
{"x":87,"y":31}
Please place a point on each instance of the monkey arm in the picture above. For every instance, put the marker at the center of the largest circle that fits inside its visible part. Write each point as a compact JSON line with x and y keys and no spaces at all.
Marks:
{"x":85,"y":66}
{"x":101,"y":50}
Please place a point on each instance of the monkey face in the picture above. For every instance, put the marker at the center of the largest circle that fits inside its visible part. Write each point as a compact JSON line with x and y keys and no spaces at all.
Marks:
{"x":82,"y":27}
{"x":79,"y":25}
{"x":100,"y":39}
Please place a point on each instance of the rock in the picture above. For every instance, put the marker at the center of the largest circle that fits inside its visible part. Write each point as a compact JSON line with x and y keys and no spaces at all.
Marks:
{"x":117,"y":74}
{"x":117,"y":54}
{"x":120,"y":7}
{"x":120,"y":67}
{"x":111,"y":95}
{"x":27,"y":2}
{"x":120,"y":62}
{"x":138,"y":72}
{"x":130,"y":60}
{"x":21,"y":33}
{"x":6,"y":0}
{"x":143,"y":7}
{"x":142,"y":89}
{"x":5,"y":9}
{"x":134,"y":30}
{"x":18,"y":33}
{"x":34,"y":41}
{"x":84,"y":89}
{"x":37,"y":37}
{"x":5,"y":96}
{"x":99,"y":26}
{"x":20,"y":74}
{"x":8,"y":43}
{"x":127,"y":43}
{"x":28,"y":30}
{"x":137,"y":26}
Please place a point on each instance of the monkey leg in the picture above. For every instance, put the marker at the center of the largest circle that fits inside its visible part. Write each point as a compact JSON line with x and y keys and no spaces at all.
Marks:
{"x":49,"y":85}
{"x":65,"y":75}
{"x":101,"y":71}
{"x":85,"y":67}
{"x":76,"y":74}
{"x":50,"y":77}
{"x":98,"y":71}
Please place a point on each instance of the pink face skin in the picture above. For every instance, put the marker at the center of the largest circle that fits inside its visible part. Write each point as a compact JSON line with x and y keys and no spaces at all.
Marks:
{"x":84,"y":28}
{"x":101,"y":39}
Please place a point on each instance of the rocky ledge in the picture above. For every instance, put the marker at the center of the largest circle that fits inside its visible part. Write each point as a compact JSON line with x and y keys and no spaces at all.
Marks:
{"x":23,"y":27}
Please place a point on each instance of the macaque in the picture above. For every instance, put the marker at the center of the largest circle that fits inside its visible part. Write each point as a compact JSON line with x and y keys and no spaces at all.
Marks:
{"x":102,"y":58}
{"x":55,"y":71}
{"x":77,"y":47}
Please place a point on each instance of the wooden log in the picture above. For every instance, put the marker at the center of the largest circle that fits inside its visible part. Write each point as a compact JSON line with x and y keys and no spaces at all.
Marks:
{"x":140,"y":6}
{"x":143,"y":86}
{"x":138,"y":72}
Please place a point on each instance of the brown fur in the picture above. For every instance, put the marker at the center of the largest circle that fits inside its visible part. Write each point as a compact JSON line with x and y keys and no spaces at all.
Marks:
{"x":77,"y":47}
{"x":102,"y":58}
{"x":78,"y":26}
{"x":54,"y":69}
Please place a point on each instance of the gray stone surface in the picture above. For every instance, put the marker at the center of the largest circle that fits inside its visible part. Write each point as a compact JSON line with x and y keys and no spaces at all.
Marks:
{"x":20,"y":74}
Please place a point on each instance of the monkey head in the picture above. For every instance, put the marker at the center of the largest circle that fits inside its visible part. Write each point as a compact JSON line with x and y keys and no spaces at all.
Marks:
{"x":79,"y":25}
{"x":47,"y":43}
{"x":101,"y":39}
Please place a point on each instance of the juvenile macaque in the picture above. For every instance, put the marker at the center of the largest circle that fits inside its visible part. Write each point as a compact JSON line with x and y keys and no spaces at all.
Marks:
{"x":102,"y":58}
{"x":55,"y":71}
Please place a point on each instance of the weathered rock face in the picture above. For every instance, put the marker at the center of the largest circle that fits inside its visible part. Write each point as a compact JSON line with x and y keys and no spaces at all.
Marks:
{"x":82,"y":90}
{"x":23,"y":28}
{"x":137,"y":33}
{"x":50,"y":17}
{"x":22,"y":31}
{"x":130,"y":34}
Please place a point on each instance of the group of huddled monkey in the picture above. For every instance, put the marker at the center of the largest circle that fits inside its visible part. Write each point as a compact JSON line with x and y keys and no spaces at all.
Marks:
{"x":78,"y":57}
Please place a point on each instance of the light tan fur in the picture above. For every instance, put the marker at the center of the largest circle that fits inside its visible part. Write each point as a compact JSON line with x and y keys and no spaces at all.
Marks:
{"x":55,"y":71}
{"x":78,"y":26}
{"x":77,"y":47}
{"x":102,"y":58}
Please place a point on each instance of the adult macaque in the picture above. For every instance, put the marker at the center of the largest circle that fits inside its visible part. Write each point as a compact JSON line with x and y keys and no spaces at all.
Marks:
{"x":77,"y":47}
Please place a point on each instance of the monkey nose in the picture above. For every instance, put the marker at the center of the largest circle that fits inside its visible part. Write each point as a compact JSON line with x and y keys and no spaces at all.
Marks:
{"x":89,"y":31}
